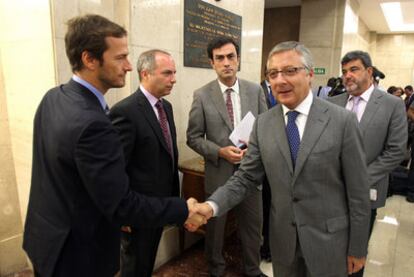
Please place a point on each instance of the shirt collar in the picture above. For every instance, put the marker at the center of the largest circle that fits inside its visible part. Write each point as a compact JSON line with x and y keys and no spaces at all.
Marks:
{"x":151,"y":98}
{"x":235,"y":87}
{"x":365,"y":95}
{"x":93,"y":89}
{"x":303,"y":107}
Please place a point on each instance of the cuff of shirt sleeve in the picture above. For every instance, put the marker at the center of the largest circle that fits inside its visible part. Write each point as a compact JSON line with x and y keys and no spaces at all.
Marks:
{"x":213,"y":206}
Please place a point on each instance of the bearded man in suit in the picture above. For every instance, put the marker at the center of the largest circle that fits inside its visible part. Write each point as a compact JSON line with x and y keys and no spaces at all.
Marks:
{"x":382,"y":122}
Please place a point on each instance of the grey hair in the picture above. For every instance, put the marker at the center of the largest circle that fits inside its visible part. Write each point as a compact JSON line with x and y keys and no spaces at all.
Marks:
{"x":146,"y":61}
{"x":296,"y":46}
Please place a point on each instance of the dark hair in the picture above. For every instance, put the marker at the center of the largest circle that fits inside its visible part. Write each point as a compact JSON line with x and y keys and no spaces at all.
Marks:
{"x":357,"y":55}
{"x":409,"y":87}
{"x":88,"y":33}
{"x":377,"y":74}
{"x":392,"y":89}
{"x":332,"y":82}
{"x":219,"y":42}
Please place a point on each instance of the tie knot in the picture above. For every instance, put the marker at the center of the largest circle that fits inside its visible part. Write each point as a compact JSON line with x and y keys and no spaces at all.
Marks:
{"x":158,"y":105}
{"x":292,"y":115}
{"x":229,"y":91}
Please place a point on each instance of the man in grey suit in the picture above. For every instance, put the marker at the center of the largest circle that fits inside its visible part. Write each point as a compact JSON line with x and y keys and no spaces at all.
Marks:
{"x":218,"y":107}
{"x":382,"y":122}
{"x":311,"y":152}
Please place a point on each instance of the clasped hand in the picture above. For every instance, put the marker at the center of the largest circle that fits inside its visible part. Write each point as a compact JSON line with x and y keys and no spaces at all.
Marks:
{"x":198,"y":214}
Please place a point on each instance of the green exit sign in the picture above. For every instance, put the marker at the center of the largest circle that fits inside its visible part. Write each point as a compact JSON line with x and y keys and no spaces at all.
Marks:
{"x":319,"y":70}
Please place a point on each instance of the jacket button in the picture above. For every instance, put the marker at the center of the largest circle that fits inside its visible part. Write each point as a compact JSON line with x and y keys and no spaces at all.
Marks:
{"x":295,"y":199}
{"x":293,"y":223}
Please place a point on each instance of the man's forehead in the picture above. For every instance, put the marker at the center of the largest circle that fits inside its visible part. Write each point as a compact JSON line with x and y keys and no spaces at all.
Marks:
{"x":225,"y":49}
{"x":285,"y":58}
{"x":354,"y":62}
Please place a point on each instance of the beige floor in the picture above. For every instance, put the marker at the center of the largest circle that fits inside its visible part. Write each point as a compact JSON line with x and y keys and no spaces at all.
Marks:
{"x":391,"y":248}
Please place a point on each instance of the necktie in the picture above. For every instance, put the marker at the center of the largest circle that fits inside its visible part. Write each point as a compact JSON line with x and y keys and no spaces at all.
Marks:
{"x":355,"y":103}
{"x":229,"y":105}
{"x":106,"y":110}
{"x":272,"y":99}
{"x":293,"y":135}
{"x":162,"y":118}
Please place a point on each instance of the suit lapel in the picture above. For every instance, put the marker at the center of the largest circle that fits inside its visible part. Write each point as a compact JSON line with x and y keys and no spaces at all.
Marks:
{"x":218,"y":101}
{"x":150,"y":116}
{"x":315,"y":125}
{"x":281,"y":138}
{"x":244,"y":99}
{"x":170,"y":117}
{"x":370,"y":110}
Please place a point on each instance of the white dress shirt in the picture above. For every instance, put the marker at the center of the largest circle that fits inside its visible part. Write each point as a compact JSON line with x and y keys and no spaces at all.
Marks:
{"x":303,"y":109}
{"x":362,"y":102}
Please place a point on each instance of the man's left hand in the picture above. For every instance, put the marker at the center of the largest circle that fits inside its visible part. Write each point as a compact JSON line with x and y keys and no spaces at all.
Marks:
{"x":355,"y":264}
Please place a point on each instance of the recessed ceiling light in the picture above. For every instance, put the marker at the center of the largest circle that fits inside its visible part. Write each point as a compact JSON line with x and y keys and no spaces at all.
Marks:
{"x":394,"y":17}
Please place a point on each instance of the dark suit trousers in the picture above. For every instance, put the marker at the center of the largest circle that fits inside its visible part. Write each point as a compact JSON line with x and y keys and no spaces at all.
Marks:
{"x":138,"y":251}
{"x":249,"y":219}
{"x":266,"y":195}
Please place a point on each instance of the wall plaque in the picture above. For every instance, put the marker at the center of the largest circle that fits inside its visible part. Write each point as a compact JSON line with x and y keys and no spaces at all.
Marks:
{"x":203,"y":22}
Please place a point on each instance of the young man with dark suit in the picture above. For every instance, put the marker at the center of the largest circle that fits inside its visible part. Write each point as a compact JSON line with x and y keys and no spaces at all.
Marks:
{"x":216,"y":109}
{"x":80,"y":194}
{"x":382,"y":122}
{"x":312,"y":154}
{"x":150,"y":151}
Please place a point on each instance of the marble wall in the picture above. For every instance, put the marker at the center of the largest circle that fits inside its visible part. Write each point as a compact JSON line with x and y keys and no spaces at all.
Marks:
{"x":357,"y":36}
{"x":27,"y":69}
{"x":394,"y":55}
{"x":321,"y":30}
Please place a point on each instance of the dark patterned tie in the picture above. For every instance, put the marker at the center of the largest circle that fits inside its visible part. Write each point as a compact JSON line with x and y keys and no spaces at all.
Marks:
{"x":162,"y":118}
{"x":293,"y":135}
{"x":229,"y":105}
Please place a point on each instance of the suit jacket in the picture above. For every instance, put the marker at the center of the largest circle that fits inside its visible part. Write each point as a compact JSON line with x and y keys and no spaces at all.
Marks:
{"x":324,"y":202}
{"x":266,"y":93}
{"x":384,"y":133}
{"x":209,"y":127}
{"x":79,"y":194}
{"x":150,"y":167}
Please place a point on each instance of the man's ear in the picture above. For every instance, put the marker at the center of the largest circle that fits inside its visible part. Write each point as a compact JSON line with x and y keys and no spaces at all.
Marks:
{"x":89,"y":61}
{"x":211,"y":63}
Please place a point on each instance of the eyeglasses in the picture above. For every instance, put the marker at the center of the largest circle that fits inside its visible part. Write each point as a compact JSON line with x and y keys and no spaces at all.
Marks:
{"x":289,"y":72}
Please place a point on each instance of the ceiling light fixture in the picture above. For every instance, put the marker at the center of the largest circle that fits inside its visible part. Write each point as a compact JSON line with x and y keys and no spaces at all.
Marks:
{"x":394,"y":17}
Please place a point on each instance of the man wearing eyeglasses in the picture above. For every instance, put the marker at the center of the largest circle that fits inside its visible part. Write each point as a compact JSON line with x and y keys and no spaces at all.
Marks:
{"x":217,"y":108}
{"x":311,"y":152}
{"x":382,"y":122}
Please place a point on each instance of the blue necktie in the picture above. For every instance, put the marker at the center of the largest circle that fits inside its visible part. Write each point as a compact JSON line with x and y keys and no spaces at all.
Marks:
{"x":293,"y":135}
{"x":272,"y":99}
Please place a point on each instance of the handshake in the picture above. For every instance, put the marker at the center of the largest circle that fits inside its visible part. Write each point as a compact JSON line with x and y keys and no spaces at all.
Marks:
{"x":198,"y":214}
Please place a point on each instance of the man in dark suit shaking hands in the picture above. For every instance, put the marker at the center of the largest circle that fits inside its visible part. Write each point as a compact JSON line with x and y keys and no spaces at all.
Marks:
{"x":80,"y":194}
{"x":150,"y":151}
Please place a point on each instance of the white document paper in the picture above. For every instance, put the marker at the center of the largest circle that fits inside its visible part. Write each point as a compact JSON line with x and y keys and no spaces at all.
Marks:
{"x":242,"y":131}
